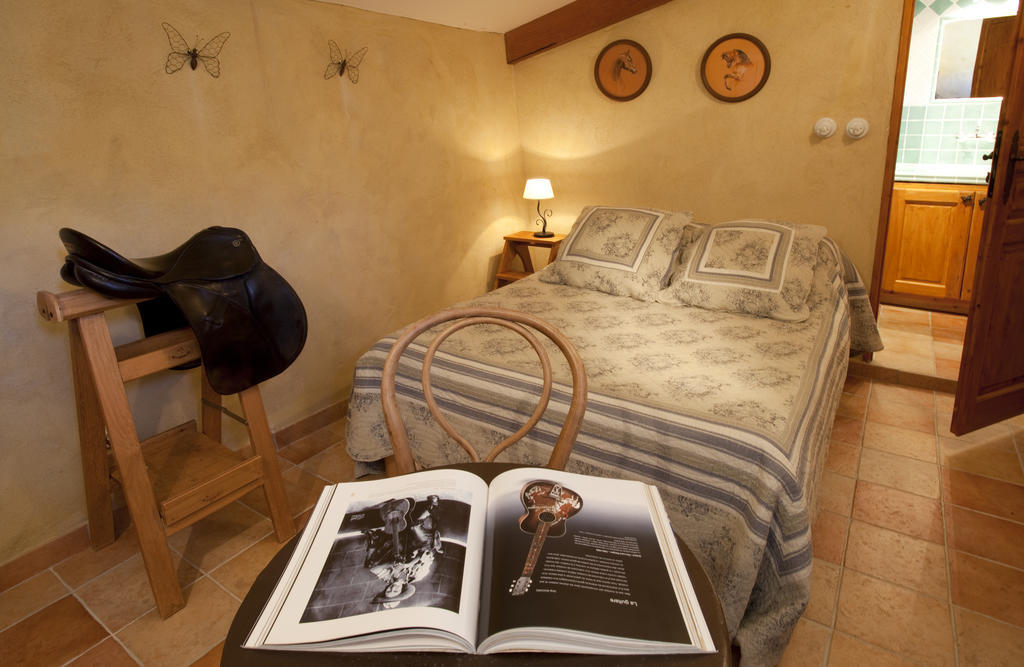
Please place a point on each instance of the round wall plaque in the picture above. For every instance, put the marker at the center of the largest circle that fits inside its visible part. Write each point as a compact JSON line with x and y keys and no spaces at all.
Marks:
{"x":735,"y":67}
{"x":622,"y":70}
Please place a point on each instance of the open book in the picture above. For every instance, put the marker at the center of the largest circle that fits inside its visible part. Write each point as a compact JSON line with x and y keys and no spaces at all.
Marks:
{"x":539,"y":560}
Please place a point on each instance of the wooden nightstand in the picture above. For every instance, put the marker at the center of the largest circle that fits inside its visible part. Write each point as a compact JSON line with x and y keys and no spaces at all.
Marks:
{"x":518,"y":245}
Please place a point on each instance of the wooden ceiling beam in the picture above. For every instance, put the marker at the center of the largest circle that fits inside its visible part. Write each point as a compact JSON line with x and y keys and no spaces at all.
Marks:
{"x":566,"y":23}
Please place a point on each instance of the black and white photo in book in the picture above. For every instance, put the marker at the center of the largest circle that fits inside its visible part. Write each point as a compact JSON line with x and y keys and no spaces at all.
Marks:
{"x":408,"y":552}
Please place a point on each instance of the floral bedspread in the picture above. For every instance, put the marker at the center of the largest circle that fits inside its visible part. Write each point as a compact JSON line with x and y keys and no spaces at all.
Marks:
{"x":728,"y":414}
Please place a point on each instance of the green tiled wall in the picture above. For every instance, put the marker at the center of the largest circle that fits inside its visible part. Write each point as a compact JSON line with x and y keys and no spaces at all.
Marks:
{"x":948,"y":133}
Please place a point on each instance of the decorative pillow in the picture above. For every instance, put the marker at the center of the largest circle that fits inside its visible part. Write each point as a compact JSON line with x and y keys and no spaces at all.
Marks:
{"x":759,"y":267}
{"x":620,"y":251}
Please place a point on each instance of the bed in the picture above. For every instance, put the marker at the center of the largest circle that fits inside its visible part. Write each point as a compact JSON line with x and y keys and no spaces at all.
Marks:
{"x":715,"y":356}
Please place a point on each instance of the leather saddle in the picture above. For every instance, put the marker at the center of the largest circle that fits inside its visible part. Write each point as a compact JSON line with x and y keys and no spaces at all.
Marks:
{"x":248,"y":320}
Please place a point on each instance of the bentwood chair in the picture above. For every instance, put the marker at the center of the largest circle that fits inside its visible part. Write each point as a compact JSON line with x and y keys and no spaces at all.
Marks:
{"x":523,"y":324}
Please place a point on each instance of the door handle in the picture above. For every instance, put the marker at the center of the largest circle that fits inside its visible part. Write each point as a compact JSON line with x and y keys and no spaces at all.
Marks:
{"x":994,"y":156}
{"x":967,"y":199}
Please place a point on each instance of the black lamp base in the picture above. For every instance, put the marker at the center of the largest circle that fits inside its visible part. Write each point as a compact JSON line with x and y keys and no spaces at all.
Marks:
{"x":543,"y":220}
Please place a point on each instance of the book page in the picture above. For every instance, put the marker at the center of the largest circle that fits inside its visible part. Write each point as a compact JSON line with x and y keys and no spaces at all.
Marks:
{"x":380,"y":556}
{"x":581,"y":556}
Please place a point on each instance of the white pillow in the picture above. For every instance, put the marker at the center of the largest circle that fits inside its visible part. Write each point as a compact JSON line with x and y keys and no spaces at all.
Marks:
{"x":758,"y":267}
{"x":620,"y":251}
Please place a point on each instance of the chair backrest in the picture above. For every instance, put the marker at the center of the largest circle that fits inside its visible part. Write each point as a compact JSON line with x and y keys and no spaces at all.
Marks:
{"x":461,"y":318}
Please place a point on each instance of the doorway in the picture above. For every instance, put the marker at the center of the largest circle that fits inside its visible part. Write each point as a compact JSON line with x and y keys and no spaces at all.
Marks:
{"x":944,"y":119}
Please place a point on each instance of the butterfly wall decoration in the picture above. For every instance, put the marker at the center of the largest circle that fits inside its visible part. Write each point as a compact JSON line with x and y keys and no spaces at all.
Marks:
{"x":181,"y":53}
{"x":344,"y":63}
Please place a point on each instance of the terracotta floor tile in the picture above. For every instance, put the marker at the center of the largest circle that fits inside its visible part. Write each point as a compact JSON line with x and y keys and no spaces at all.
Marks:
{"x":807,"y":646}
{"x":824,"y":588}
{"x":852,"y":405}
{"x":897,"y":558}
{"x":905,"y":415}
{"x":187,"y":635}
{"x":994,"y":433}
{"x":985,"y":642}
{"x":943,"y":403}
{"x":221,"y":535}
{"x":107,"y":653}
{"x":828,"y":536}
{"x":944,"y":335}
{"x":122,"y":594}
{"x":899,"y":472}
{"x":995,"y":457}
{"x":284,"y":464}
{"x":894,"y":393}
{"x":984,"y":494}
{"x":917,"y":328}
{"x":52,"y":636}
{"x":90,"y":563}
{"x":949,"y":321}
{"x":906,"y":359}
{"x":845,"y":429}
{"x":946,"y":368}
{"x":856,"y":385}
{"x":847,"y":651}
{"x":212,"y":658}
{"x":843,"y":458}
{"x":301,"y":488}
{"x":949,"y":351}
{"x":898,"y":510}
{"x":902,"y":441}
{"x":29,"y":597}
{"x":307,"y":446}
{"x":986,"y":587}
{"x":835,"y":493}
{"x":908,"y":339}
{"x":237,"y":574}
{"x":333,"y":464}
{"x":888,"y":313}
{"x":986,"y":536}
{"x":896,"y":618}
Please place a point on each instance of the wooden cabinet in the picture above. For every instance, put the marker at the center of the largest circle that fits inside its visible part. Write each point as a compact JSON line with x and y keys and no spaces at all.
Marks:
{"x":518,"y":245}
{"x":932,"y":245}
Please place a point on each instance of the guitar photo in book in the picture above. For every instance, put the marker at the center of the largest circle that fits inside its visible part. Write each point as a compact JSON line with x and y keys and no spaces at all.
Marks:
{"x":539,"y":560}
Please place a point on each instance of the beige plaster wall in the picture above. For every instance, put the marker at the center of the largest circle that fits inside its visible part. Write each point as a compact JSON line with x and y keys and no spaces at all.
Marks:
{"x":385,"y":200}
{"x":677,"y":147}
{"x":379,"y":202}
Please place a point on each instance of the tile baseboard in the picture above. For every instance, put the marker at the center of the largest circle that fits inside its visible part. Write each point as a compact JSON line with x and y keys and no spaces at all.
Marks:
{"x":873,"y":371}
{"x":314,"y":422}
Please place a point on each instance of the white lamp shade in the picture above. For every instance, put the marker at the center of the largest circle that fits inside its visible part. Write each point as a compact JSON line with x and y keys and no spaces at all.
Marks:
{"x":538,"y":188}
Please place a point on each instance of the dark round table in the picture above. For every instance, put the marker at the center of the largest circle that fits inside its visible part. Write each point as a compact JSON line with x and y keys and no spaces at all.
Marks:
{"x":235,"y":655}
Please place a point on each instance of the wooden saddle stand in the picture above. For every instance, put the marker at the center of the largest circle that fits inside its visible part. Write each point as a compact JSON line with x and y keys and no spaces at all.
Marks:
{"x":172,"y":479}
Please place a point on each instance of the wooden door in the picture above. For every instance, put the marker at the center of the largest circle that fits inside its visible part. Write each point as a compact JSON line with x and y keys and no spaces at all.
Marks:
{"x":991,"y":383}
{"x":928,"y":232}
{"x":991,"y":65}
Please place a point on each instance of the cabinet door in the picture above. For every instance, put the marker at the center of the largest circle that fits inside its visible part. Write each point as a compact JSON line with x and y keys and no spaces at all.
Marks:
{"x":973,"y":242}
{"x":925,"y":248}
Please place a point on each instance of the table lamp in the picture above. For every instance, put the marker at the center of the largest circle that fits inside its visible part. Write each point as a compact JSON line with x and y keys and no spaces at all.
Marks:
{"x":540,"y":188}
